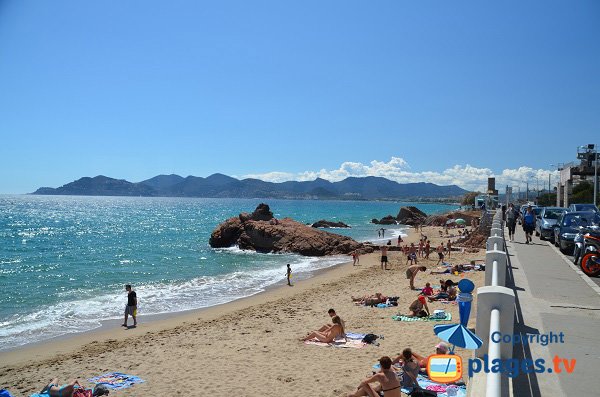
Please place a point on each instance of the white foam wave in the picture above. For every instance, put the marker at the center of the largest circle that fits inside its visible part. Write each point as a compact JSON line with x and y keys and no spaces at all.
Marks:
{"x":86,"y":314}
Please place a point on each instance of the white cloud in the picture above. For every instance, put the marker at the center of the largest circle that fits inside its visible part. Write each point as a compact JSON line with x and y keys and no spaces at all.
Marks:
{"x":397,"y":169}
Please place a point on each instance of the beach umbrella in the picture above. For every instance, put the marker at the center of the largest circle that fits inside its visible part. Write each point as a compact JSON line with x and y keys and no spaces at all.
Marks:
{"x":449,"y":221}
{"x":458,"y":335}
{"x":460,"y":221}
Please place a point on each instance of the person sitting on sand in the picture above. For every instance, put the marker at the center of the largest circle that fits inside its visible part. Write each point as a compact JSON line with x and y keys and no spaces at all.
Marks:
{"x":427,"y":290}
{"x":448,"y":294}
{"x":410,"y":368}
{"x":337,"y":330}
{"x":411,"y":273}
{"x":419,"y":308}
{"x":388,"y":382}
{"x":327,"y":327}
{"x":370,"y":300}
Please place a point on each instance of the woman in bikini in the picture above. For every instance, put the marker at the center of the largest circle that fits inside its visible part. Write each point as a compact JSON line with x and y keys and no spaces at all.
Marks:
{"x":337,"y":330}
{"x":53,"y":389}
{"x":388,"y":382}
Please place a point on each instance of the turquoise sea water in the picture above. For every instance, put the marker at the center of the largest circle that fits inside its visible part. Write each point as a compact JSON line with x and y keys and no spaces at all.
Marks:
{"x":64,"y":259}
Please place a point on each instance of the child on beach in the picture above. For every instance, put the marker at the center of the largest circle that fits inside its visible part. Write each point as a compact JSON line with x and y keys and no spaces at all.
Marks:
{"x":288,"y":274}
{"x":427,"y":290}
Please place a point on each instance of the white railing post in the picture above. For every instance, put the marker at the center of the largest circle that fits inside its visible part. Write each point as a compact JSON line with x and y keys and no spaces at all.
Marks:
{"x":499,"y":256}
{"x":493,"y":381}
{"x":501,"y":299}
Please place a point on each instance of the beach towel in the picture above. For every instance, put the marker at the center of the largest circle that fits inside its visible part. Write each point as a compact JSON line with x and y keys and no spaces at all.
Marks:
{"x":116,"y":380}
{"x":401,"y":317}
{"x":347,"y":343}
{"x":439,"y":388}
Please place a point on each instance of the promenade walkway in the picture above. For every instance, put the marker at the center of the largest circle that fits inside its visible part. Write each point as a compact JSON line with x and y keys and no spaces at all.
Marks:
{"x":552,"y":297}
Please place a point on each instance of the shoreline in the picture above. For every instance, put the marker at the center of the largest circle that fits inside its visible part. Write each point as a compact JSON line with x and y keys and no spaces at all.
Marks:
{"x":256,"y":335}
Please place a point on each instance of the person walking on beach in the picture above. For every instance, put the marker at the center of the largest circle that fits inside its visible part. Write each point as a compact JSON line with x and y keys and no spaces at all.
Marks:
{"x":412,"y":255}
{"x":288,"y":274}
{"x":384,"y":258}
{"x":427,"y":249}
{"x":355,"y":258}
{"x":440,"y":252}
{"x":512,"y":215}
{"x":420,"y":251}
{"x":400,"y":240}
{"x":131,"y":307}
{"x":449,"y":247}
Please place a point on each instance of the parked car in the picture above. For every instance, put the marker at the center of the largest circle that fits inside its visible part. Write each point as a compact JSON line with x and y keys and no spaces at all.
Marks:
{"x":566,"y":228}
{"x":545,"y":221}
{"x":583,"y":207}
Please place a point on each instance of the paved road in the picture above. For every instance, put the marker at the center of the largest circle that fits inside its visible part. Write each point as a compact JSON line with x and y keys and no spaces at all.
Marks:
{"x":551,"y":296}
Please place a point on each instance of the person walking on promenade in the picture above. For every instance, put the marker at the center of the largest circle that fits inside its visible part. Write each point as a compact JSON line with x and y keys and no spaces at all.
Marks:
{"x":528,"y":224}
{"x":131,"y":307}
{"x":288,"y":274}
{"x":384,"y":258}
{"x":512,"y":215}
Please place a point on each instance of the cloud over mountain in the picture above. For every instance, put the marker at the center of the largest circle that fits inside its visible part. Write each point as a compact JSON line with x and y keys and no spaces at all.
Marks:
{"x":398,"y":169}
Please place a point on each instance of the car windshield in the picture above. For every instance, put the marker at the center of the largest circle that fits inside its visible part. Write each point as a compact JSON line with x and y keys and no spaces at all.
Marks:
{"x":537,"y":210}
{"x":552,"y":214}
{"x":582,"y":220}
{"x":585,"y":207}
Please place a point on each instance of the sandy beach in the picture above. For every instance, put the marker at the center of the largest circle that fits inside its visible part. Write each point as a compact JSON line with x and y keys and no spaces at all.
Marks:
{"x":250,"y":347}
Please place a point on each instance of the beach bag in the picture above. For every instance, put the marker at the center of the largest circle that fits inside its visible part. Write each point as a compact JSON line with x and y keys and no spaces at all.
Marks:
{"x":369,"y":338}
{"x":439,"y":314}
{"x":423,"y":393}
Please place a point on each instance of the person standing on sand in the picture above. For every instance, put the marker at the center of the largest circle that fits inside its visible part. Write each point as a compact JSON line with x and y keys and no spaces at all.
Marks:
{"x":378,"y":233}
{"x":440,"y":252}
{"x":420,"y":251}
{"x":400,"y":240}
{"x":412,"y":255}
{"x":288,"y":274}
{"x":449,"y":247}
{"x":355,"y":258}
{"x":427,"y":249}
{"x":411,"y":273}
{"x":131,"y":307}
{"x":384,"y":258}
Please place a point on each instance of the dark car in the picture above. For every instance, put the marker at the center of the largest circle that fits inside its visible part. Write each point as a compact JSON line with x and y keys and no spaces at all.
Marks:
{"x":583,"y":207}
{"x":566,"y":228}
{"x":545,"y":221}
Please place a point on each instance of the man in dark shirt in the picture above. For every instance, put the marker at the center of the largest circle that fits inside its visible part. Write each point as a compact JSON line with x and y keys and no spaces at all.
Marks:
{"x":131,"y":308}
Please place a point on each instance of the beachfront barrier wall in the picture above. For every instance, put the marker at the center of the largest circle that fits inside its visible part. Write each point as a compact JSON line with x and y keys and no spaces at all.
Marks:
{"x":495,"y":310}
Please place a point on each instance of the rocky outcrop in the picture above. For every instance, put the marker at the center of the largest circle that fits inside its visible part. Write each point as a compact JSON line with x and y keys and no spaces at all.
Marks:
{"x":327,"y":224}
{"x":386,"y":220}
{"x":441,"y":220}
{"x":261,"y":232}
{"x":411,"y":216}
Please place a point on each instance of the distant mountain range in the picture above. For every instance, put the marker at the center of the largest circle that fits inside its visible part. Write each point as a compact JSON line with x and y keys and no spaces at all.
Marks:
{"x":219,"y":185}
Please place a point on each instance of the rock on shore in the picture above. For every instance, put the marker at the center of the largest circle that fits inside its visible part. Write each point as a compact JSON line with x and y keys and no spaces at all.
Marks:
{"x":406,"y":216}
{"x":261,"y":232}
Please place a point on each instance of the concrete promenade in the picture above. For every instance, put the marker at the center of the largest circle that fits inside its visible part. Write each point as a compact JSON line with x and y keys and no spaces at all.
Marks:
{"x":552,"y":297}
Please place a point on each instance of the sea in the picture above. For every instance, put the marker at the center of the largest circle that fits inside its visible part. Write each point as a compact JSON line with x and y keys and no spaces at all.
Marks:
{"x":64,"y":260}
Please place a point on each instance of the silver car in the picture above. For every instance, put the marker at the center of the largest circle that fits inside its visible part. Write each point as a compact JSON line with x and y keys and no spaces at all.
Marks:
{"x":545,"y":221}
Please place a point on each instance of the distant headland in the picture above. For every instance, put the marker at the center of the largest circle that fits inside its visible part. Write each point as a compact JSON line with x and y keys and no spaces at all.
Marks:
{"x":223,"y":186}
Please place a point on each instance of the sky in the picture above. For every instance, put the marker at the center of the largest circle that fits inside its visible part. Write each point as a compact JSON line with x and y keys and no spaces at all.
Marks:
{"x":444,"y":92}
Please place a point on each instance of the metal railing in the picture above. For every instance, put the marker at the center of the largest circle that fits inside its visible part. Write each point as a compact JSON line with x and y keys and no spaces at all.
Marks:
{"x":495,"y":306}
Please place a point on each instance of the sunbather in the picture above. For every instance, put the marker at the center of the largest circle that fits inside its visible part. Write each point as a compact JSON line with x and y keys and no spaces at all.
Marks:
{"x":327,"y":327}
{"x":53,"y":389}
{"x":410,"y":367}
{"x":388,"y":382}
{"x":419,"y":308}
{"x":370,"y":300}
{"x":448,"y":294}
{"x":337,"y":330}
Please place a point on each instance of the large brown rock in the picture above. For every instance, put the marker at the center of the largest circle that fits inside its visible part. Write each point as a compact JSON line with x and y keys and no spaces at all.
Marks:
{"x":261,"y":233}
{"x":386,"y":220}
{"x":411,"y":216}
{"x":326,"y":224}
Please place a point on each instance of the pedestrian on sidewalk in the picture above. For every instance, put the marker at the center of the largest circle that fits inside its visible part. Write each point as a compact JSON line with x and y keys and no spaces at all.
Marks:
{"x":511,"y":221}
{"x":528,"y":224}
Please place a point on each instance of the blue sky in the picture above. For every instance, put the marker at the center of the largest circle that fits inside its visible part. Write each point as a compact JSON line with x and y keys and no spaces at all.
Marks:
{"x":286,"y":90}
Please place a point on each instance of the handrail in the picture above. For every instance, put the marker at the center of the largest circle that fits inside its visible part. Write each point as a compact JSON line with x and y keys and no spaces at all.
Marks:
{"x":493,"y":383}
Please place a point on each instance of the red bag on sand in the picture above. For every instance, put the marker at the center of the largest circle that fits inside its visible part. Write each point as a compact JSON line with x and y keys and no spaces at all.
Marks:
{"x":82,"y":393}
